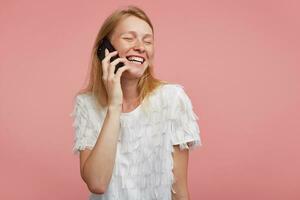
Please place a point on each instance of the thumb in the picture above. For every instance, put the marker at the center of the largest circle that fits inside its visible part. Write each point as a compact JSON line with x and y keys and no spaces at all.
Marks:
{"x":120,"y":71}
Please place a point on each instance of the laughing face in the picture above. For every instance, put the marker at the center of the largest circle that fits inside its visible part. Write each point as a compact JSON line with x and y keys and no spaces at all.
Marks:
{"x":133,"y":39}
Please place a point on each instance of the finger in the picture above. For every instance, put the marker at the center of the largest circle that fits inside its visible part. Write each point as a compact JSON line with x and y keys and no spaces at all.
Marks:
{"x":115,"y":62}
{"x":104,"y":67}
{"x":112,"y":66}
{"x":120,"y":71}
{"x":109,"y":55}
{"x":105,"y":63}
{"x":111,"y":69}
{"x":104,"y":74}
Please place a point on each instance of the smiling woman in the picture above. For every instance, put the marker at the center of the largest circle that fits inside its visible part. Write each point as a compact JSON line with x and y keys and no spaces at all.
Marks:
{"x":133,"y":40}
{"x":133,"y":131}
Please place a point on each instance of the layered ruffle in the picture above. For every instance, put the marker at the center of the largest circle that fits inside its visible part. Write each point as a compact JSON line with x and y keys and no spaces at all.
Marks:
{"x":144,"y":159}
{"x":85,"y":132}
{"x":144,"y":162}
{"x":181,"y":120}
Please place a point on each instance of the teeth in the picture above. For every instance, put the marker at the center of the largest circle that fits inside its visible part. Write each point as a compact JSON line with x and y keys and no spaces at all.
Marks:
{"x":133,"y":58}
{"x":138,"y":62}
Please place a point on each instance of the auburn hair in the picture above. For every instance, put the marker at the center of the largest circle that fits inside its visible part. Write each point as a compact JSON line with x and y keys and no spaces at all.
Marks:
{"x":147,"y":82}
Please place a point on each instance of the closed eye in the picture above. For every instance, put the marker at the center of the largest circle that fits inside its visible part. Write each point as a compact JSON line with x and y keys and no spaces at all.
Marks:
{"x":129,"y":39}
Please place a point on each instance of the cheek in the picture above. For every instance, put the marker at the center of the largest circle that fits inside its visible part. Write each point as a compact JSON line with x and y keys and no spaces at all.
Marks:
{"x":121,"y":47}
{"x":150,"y":52}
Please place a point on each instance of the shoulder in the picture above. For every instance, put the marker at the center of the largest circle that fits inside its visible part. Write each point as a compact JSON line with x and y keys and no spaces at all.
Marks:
{"x":172,"y":86}
{"x":166,"y":91}
{"x":86,"y":102}
{"x":166,"y":95}
{"x":173,"y":91}
{"x":177,"y":99}
{"x":86,"y":106}
{"x":84,"y":99}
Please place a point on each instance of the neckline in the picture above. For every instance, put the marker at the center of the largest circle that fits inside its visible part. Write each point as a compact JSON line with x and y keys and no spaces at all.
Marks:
{"x":140,"y":105}
{"x":133,"y":111}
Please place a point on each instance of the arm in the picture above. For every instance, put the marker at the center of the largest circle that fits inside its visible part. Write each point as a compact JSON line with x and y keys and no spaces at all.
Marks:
{"x":180,"y":187}
{"x":96,"y":165}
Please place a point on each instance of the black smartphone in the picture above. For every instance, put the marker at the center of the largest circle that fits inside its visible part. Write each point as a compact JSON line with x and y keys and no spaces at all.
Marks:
{"x":106,"y":44}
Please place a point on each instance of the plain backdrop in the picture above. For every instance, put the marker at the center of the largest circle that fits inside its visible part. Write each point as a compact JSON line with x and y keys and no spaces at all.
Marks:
{"x":237,"y":60}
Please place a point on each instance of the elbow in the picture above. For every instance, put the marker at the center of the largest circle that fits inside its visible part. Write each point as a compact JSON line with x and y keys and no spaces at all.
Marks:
{"x":97,"y":188}
{"x":95,"y":185}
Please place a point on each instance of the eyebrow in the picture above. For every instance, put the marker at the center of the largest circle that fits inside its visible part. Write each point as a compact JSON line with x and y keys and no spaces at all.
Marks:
{"x":133,"y":32}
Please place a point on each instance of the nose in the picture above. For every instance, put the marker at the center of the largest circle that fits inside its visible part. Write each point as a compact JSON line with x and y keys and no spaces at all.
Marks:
{"x":139,"y":46}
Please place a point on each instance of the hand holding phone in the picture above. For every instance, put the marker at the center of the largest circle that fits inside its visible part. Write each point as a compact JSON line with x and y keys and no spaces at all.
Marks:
{"x":106,"y":44}
{"x":113,"y":88}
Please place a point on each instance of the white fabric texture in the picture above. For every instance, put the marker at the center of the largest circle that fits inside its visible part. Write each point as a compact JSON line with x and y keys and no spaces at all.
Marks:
{"x":144,"y":162}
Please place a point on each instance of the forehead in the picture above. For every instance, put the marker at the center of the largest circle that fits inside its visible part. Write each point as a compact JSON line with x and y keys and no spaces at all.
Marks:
{"x":132,"y":23}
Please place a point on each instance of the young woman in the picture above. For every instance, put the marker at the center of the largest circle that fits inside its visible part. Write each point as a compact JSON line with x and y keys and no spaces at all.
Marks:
{"x":133,"y":131}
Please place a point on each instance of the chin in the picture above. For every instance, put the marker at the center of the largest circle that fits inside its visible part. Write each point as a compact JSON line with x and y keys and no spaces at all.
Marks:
{"x":134,"y":73}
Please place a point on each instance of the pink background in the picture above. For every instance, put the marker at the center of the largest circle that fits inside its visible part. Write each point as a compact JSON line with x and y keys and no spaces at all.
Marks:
{"x":238,"y":61}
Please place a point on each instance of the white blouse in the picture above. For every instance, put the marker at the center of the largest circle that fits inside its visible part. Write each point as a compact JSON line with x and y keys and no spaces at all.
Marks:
{"x":144,"y":162}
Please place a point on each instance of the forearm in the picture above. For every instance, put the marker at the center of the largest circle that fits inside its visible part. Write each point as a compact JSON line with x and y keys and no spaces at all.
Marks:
{"x":99,"y":165}
{"x":180,"y":185}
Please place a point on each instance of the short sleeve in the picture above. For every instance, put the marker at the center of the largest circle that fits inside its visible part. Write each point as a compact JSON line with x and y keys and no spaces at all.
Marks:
{"x":85,"y":133}
{"x":185,"y":131}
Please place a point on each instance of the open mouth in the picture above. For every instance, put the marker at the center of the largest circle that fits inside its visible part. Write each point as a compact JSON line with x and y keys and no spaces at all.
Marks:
{"x":134,"y":59}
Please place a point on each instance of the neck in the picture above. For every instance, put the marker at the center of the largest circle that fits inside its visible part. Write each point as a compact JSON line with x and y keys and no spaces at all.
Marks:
{"x":129,"y":89}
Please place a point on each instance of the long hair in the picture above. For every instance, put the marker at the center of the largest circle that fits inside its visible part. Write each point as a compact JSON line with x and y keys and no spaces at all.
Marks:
{"x":147,"y":82}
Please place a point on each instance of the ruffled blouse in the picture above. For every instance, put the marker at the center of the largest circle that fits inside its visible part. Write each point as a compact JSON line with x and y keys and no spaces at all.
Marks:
{"x":144,"y":162}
